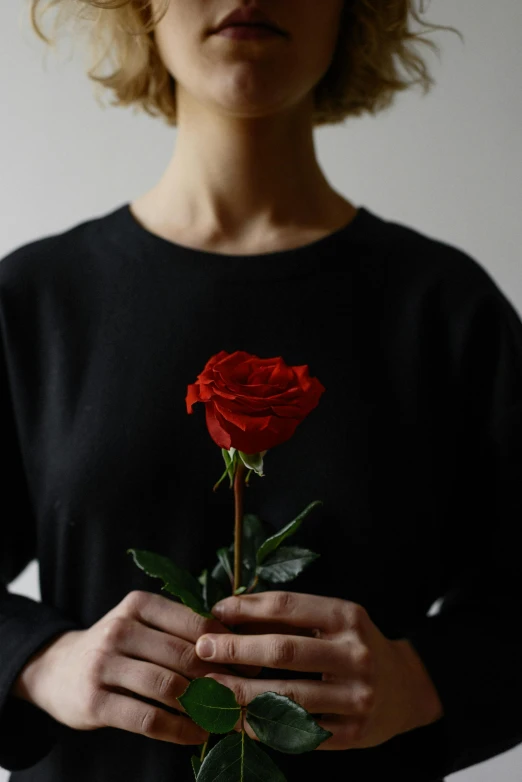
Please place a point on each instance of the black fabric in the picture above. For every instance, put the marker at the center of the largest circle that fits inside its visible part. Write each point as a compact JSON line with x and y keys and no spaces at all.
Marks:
{"x":415,"y":450}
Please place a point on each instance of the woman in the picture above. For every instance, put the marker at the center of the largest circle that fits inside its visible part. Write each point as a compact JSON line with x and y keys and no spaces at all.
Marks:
{"x":414,"y":450}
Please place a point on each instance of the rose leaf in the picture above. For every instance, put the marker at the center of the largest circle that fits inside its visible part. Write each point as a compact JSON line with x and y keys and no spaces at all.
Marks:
{"x":285,"y":564}
{"x":177,"y":582}
{"x":275,"y":540}
{"x":211,"y":705}
{"x":238,"y":758}
{"x":283,"y":724}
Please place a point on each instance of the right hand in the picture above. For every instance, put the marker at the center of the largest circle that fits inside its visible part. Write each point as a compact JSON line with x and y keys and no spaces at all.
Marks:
{"x":145,"y":646}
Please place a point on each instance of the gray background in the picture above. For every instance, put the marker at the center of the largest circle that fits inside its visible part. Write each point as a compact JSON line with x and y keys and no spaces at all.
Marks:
{"x":448,"y":164}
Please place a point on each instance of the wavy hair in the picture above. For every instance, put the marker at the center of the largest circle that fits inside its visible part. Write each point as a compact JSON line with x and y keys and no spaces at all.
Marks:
{"x":374,"y":43}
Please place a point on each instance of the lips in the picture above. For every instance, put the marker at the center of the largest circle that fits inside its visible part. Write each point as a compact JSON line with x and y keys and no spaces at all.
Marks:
{"x":251,"y":17}
{"x":262,"y":26}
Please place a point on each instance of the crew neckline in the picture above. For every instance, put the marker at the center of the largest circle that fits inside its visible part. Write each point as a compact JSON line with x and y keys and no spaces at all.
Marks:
{"x":140,"y":230}
{"x":130,"y":237}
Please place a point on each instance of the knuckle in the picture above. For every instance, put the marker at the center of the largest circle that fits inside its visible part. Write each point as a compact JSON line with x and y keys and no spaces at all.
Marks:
{"x":283,"y":603}
{"x":227,"y":647}
{"x":363,"y":660}
{"x":338,"y":616}
{"x":199,"y":625}
{"x":114,"y":631}
{"x":355,"y":615}
{"x":165,"y":684}
{"x":134,"y":601}
{"x":187,"y":657}
{"x":148,"y":721}
{"x":94,"y":703}
{"x":365,"y":700}
{"x":95,"y":666}
{"x":282,"y":651}
{"x":241,"y":693}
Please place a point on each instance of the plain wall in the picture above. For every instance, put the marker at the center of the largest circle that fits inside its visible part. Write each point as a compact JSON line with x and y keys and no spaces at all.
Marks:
{"x":448,"y":164}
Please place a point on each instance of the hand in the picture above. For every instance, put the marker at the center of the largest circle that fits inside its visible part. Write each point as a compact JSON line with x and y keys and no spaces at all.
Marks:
{"x":93,"y":678}
{"x":369,"y":688}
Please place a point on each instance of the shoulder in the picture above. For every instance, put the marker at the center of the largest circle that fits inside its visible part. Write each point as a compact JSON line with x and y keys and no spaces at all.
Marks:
{"x":433,"y":262}
{"x":49,"y":258}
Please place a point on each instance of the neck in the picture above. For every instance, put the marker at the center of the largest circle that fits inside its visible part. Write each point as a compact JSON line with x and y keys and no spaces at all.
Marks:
{"x":232,"y":178}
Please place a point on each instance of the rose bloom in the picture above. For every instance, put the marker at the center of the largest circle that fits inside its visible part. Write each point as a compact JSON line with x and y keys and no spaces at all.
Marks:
{"x":253,"y":403}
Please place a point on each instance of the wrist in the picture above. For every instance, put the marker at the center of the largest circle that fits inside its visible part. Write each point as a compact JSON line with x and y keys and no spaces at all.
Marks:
{"x":423,"y":701}
{"x":30,"y":682}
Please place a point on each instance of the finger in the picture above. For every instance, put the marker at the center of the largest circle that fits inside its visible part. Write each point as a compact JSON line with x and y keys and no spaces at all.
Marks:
{"x":146,"y":679}
{"x":132,"y":639}
{"x":260,"y":628}
{"x":126,"y":713}
{"x":330,"y":614}
{"x":291,"y":652}
{"x":316,"y":697}
{"x":182,"y":622}
{"x":164,"y":614}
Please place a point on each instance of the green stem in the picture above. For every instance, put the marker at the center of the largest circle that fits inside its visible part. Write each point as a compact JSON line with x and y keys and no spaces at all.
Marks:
{"x":218,"y":482}
{"x":252,"y":585}
{"x":238,"y":526}
{"x":203,"y":751}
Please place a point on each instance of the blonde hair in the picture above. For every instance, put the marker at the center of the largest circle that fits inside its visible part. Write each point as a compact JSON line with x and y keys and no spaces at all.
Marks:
{"x":364,"y":76}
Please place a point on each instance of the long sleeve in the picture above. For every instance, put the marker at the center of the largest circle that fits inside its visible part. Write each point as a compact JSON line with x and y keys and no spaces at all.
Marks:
{"x":101,"y":328}
{"x":472,"y":647}
{"x":27,"y":733}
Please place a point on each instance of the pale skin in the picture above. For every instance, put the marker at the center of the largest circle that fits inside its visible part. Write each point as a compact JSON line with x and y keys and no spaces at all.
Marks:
{"x":142,"y":648}
{"x":244,"y":176}
{"x":372,"y":688}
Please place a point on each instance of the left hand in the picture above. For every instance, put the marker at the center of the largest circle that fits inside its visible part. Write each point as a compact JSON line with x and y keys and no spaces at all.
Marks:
{"x":365,"y":696}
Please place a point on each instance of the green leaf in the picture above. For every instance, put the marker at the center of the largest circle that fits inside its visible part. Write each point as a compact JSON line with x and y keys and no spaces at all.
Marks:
{"x":238,"y":591}
{"x":230,"y":462}
{"x":219,"y":573}
{"x":286,"y":563}
{"x":230,"y":459}
{"x":238,"y":758}
{"x":212,"y":591}
{"x":275,"y":541}
{"x":226,"y":562}
{"x":196,"y":765}
{"x":254,"y":533}
{"x":283,"y":724}
{"x":177,"y":582}
{"x":212,"y":705}
{"x":254,"y":461}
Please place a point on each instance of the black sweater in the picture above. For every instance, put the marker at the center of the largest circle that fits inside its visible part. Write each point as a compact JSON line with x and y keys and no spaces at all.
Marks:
{"x":415,"y":450}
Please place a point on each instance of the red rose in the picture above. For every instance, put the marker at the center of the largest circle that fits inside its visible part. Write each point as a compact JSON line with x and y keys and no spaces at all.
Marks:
{"x":253,"y":403}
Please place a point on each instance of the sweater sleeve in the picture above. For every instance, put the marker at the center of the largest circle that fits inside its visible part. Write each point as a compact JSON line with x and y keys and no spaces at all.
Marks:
{"x":27,"y":733}
{"x":472,"y":648}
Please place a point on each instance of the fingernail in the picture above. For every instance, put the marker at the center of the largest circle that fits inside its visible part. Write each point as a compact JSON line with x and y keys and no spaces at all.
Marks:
{"x":205,"y":647}
{"x":217,"y":610}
